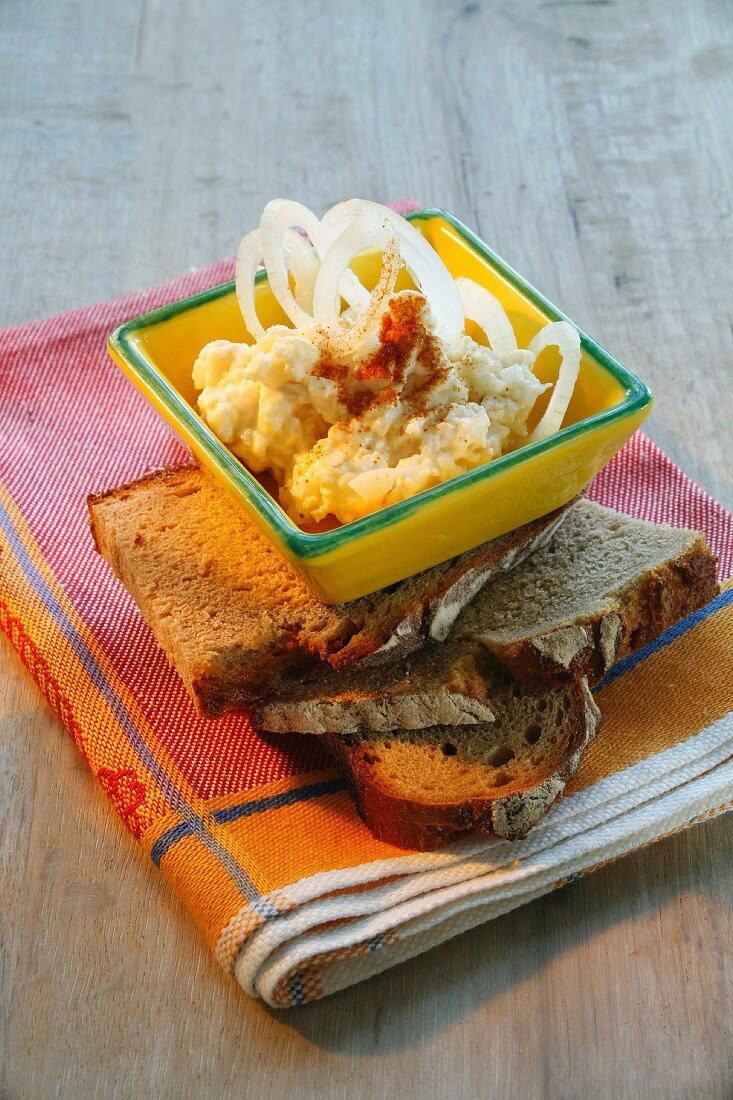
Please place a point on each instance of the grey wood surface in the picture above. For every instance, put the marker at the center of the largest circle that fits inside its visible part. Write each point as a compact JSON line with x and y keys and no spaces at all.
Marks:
{"x":591,"y":143}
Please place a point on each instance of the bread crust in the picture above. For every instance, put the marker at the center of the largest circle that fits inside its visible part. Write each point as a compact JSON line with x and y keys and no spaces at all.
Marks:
{"x":640,"y":612}
{"x":170,"y":474}
{"x":432,"y":612}
{"x":424,"y":826}
{"x":440,"y":686}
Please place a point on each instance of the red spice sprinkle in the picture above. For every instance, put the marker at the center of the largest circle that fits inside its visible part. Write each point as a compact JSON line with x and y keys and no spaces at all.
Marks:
{"x":402,"y":335}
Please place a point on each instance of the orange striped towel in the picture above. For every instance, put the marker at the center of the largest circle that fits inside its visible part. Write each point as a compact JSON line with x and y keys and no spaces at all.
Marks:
{"x":258,"y":834}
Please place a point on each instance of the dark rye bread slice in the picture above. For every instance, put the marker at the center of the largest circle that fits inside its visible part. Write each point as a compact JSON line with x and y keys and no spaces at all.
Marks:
{"x":232,"y":615}
{"x":440,"y":685}
{"x":604,"y":586}
{"x":395,"y":622}
{"x":422,"y":789}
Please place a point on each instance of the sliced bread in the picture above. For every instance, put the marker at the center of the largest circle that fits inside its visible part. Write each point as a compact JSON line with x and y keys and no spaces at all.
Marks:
{"x":604,"y":586}
{"x":422,"y":789}
{"x":443,"y":684}
{"x":232,"y":615}
{"x":396,"y":622}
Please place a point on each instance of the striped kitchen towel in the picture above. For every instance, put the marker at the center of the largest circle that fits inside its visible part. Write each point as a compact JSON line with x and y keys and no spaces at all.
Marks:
{"x":258,"y":834}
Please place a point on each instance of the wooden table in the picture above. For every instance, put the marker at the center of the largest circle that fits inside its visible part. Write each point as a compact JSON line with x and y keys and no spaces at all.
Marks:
{"x":591,"y":143}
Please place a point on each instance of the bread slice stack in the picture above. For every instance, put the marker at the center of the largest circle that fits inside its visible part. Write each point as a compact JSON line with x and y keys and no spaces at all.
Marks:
{"x":456,"y":701}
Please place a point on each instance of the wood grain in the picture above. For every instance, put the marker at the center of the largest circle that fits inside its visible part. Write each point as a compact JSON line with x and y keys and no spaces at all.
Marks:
{"x":589,"y":141}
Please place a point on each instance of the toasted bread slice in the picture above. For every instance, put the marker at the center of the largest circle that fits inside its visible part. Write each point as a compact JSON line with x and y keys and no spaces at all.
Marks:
{"x":398,"y":621}
{"x":441,"y":685}
{"x":604,"y":586}
{"x":232,"y":615}
{"x":422,"y":789}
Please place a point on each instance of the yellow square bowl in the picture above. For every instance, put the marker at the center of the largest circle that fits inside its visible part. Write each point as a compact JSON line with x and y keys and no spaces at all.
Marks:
{"x":157,"y":352}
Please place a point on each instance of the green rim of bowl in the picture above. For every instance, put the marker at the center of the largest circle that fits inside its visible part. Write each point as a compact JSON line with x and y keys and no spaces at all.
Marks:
{"x":305,"y":545}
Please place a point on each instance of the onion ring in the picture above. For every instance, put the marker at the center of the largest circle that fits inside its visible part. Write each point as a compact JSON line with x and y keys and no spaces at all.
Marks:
{"x":249,"y":258}
{"x":364,"y":233}
{"x":565,"y":338}
{"x":279,"y":215}
{"x":481,"y":307}
{"x":421,"y":260}
{"x":303,"y":263}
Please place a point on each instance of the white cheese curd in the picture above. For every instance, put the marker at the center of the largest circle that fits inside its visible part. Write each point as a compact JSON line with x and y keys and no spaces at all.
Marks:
{"x":263,"y":400}
{"x":344,"y":439}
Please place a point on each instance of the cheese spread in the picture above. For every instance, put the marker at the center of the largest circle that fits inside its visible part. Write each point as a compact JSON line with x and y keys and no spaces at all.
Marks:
{"x":346,"y":437}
